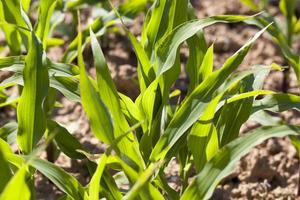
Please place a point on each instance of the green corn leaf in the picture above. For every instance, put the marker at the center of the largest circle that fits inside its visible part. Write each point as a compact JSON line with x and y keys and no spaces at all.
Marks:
{"x":288,"y":7}
{"x":9,"y":132}
{"x":163,"y":184}
{"x":128,"y":146}
{"x":132,"y":7}
{"x":250,"y":94}
{"x":97,"y":112}
{"x":65,"y":182}
{"x":15,"y":15}
{"x":63,"y":69}
{"x":239,"y":107}
{"x":166,"y":49}
{"x":13,"y":12}
{"x":9,"y":102}
{"x":169,"y":65}
{"x":32,"y":126}
{"x":65,"y":197}
{"x":203,"y":137}
{"x":8,"y":129}
{"x":12,"y":38}
{"x":277,"y":103}
{"x":258,"y":73}
{"x":52,"y":42}
{"x":130,"y":110}
{"x":19,"y":181}
{"x":223,"y":162}
{"x":94,"y":186}
{"x":66,"y":142}
{"x":141,"y":182}
{"x":99,"y":26}
{"x":5,"y":171}
{"x":192,"y":108}
{"x":26,"y":5}
{"x":162,"y":18}
{"x":12,"y":81}
{"x":240,"y":110}
{"x":207,"y":65}
{"x":11,"y":34}
{"x":265,"y":119}
{"x":147,"y":190}
{"x":174,"y":13}
{"x":4,"y":147}
{"x":251,"y":4}
{"x":26,"y":18}
{"x":197,"y":50}
{"x":150,"y":102}
{"x":15,"y":160}
{"x":11,"y":60}
{"x":108,"y":93}
{"x":71,"y":51}
{"x":3,"y":97}
{"x":10,"y":157}
{"x":16,"y":64}
{"x":154,"y":21}
{"x":109,"y":187}
{"x":281,"y":40}
{"x":68,"y":86}
{"x":43,"y":25}
{"x":145,"y":72}
{"x":61,"y":78}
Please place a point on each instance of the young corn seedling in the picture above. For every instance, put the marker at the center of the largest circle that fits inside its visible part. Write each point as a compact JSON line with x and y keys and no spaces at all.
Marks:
{"x":42,"y":82}
{"x":144,"y":135}
{"x":39,"y":77}
{"x":284,"y":41}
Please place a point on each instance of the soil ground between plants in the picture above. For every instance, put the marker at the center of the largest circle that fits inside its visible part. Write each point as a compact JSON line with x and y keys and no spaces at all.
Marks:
{"x":269,"y":171}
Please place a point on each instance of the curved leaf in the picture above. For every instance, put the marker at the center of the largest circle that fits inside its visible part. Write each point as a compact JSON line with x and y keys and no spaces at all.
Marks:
{"x":224,"y":161}
{"x":97,"y":112}
{"x":64,"y":181}
{"x":66,"y":142}
{"x":94,"y":186}
{"x":19,"y":182}
{"x":31,"y":116}
{"x":166,"y":49}
{"x":193,"y":106}
{"x":128,"y":145}
{"x":43,"y":25}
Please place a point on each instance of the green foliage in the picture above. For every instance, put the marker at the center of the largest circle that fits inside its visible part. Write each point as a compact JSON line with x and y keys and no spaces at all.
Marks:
{"x":203,"y":186}
{"x":284,"y":39}
{"x":35,"y":76}
{"x":144,"y":135}
{"x":17,"y":181}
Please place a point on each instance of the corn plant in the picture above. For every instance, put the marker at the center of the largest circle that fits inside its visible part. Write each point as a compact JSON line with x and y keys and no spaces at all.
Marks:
{"x":200,"y":131}
{"x":284,"y":39}
{"x":62,"y":76}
